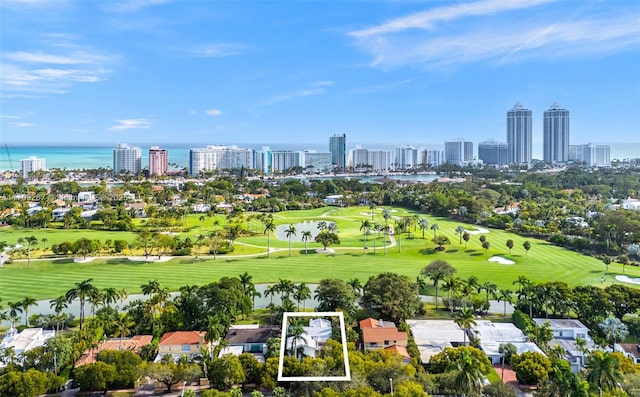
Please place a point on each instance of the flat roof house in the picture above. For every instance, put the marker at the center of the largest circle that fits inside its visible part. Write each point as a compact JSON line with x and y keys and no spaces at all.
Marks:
{"x":492,"y":335}
{"x":566,"y":331}
{"x":433,"y":336}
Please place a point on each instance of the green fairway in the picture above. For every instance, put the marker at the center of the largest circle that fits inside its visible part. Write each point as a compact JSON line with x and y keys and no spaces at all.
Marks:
{"x":47,"y":279}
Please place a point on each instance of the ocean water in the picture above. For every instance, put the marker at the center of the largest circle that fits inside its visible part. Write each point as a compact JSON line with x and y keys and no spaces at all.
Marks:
{"x":90,"y":157}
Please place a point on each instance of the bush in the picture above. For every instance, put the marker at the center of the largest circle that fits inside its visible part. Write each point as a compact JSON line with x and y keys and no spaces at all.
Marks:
{"x":522,"y":320}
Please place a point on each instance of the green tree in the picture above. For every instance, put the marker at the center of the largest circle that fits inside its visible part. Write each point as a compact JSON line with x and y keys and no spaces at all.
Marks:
{"x":467,"y":375}
{"x":225,"y":372}
{"x":269,"y":227}
{"x":365,"y":227}
{"x":465,"y":319}
{"x":527,"y":247}
{"x":333,"y":294}
{"x":290,"y":232}
{"x":466,"y":237}
{"x":26,"y":303}
{"x":95,"y":376}
{"x":306,"y":236}
{"x":170,"y":373}
{"x":327,"y":238}
{"x":437,"y":271}
{"x":441,"y":240}
{"x":531,"y":367}
{"x":391,"y":295}
{"x":301,"y":293}
{"x":486,"y":245}
{"x":81,"y":291}
{"x":460,"y":230}
{"x":603,"y":371}
{"x":509,"y":245}
{"x":31,"y":241}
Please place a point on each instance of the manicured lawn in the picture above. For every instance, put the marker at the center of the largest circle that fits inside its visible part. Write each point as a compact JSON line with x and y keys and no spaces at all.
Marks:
{"x":47,"y":279}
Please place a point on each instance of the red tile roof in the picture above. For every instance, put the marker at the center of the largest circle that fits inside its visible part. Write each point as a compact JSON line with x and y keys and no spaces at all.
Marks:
{"x":401,"y":350}
{"x":380,"y":335}
{"x":182,"y":338}
{"x":134,"y":344}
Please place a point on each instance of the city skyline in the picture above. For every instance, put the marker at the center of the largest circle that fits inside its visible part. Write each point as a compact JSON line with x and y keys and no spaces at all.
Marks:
{"x":184,"y":72}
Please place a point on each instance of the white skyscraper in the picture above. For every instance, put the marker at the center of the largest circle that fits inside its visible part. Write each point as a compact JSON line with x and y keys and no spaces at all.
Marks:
{"x":406,"y":157}
{"x":556,"y":135}
{"x":459,"y":152}
{"x":127,"y":159}
{"x":32,"y":164}
{"x":519,"y":121}
{"x":219,"y":157}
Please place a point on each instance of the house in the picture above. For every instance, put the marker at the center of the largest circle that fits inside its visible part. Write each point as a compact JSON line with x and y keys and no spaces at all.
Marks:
{"x":630,"y":350}
{"x":379,"y":334}
{"x":181,"y":343}
{"x":335,"y":199}
{"x":134,"y":344}
{"x":58,"y":214}
{"x":631,"y":204}
{"x":433,"y":336}
{"x":4,"y":257}
{"x":249,"y":339}
{"x":27,"y":339}
{"x":400,"y":351}
{"x":86,"y":197}
{"x":492,"y":335}
{"x":566,"y":332}
{"x":314,"y":337}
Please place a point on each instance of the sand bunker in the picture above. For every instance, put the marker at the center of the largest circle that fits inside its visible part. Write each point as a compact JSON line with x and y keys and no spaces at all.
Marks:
{"x":501,"y":260}
{"x":83,"y":260}
{"x":626,"y":279}
{"x":478,"y":230}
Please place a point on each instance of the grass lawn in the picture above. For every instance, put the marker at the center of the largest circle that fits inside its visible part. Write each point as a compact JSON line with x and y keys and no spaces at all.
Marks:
{"x":48,"y":279}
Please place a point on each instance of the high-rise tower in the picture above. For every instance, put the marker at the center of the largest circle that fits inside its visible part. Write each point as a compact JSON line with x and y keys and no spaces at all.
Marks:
{"x":338,"y":149}
{"x":519,"y":134}
{"x":158,"y":161}
{"x":556,"y":135}
{"x":127,"y":159}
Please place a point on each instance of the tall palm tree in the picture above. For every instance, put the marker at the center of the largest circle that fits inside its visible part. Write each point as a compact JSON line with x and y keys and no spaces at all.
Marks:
{"x":30,"y":240}
{"x":460,"y":231}
{"x":269,"y":226}
{"x":356,"y":285}
{"x":110,"y":296}
{"x":306,"y":236}
{"x":295,"y":332}
{"x":58,"y":305}
{"x":123,"y":326}
{"x":290,"y":232}
{"x":603,"y":371}
{"x":301,"y":293}
{"x":522,"y":281}
{"x":435,"y":228}
{"x":372,"y":208}
{"x":385,"y":232}
{"x":365,"y":226}
{"x":452,"y":285}
{"x":215,"y":330}
{"x":14,"y":309}
{"x":423,"y":224}
{"x":437,"y":271}
{"x":151,"y":287}
{"x":246,"y":280}
{"x":505,"y":295}
{"x":285,"y":288}
{"x":489,"y":288}
{"x":26,"y":303}
{"x":81,"y":292}
{"x":465,"y":319}
{"x":468,"y":376}
{"x":95,"y":298}
{"x":271,"y":291}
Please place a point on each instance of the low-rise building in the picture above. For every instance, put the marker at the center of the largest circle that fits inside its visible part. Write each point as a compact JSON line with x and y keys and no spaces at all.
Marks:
{"x":566,"y":332}
{"x":250,"y":339}
{"x":181,"y":343}
{"x":493,"y":335}
{"x":379,"y":334}
{"x":134,"y":344}
{"x":27,"y":339}
{"x":433,"y":336}
{"x":631,"y":350}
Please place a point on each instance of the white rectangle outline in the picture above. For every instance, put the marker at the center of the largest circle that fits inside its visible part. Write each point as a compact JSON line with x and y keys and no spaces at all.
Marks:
{"x":283,"y":343}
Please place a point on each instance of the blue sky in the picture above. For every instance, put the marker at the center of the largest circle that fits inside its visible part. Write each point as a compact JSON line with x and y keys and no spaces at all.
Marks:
{"x":416,"y":72}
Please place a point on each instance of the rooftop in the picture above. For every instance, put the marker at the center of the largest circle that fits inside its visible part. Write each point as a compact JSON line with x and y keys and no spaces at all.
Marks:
{"x":566,"y":323}
{"x":498,"y":332}
{"x":631,"y":348}
{"x":134,"y":344}
{"x":251,"y":335}
{"x":182,"y":338}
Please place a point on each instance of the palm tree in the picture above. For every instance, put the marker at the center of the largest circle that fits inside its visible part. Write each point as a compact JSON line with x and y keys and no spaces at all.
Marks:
{"x":356,"y":285}
{"x":306,"y":236}
{"x":301,"y":293}
{"x":27,"y":302}
{"x":523,"y":281}
{"x":423,"y":224}
{"x":372,"y":207}
{"x":110,"y":296}
{"x":385,"y":232}
{"x":468,"y":375}
{"x":505,"y":295}
{"x":123,"y":327}
{"x":151,"y":287}
{"x":295,"y":332}
{"x":269,"y":226}
{"x":30,"y":240}
{"x":465,"y":319}
{"x":246,"y":281}
{"x":460,"y":231}
{"x":290,"y":232}
{"x":452,"y":285}
{"x":81,"y":292}
{"x":435,"y":228}
{"x":365,"y":226}
{"x":603,"y":371}
{"x":58,"y":305}
{"x":437,"y":271}
{"x":285,"y":288}
{"x":215,"y":330}
{"x":14,"y":309}
{"x":489,"y":288}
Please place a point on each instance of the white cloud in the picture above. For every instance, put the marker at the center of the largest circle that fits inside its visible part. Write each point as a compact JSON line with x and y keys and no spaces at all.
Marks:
{"x":18,"y":124}
{"x":213,"y":112}
{"x":218,"y":50}
{"x":128,"y":124}
{"x":8,"y":116}
{"x":294,"y":94}
{"x":512,"y":36}
{"x":134,"y":5}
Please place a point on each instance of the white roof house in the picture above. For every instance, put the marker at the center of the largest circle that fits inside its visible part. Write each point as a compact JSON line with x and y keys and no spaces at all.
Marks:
{"x":492,"y":335}
{"x":28,"y":339}
{"x":433,"y":336}
{"x":315,"y":335}
{"x":565,"y":333}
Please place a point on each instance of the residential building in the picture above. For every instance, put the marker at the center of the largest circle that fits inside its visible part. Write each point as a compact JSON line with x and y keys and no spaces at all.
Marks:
{"x":492,"y":335}
{"x":565,"y":334}
{"x":458,"y":152}
{"x":519,"y":135}
{"x":86,"y":196}
{"x":182,"y":343}
{"x":433,"y":157}
{"x":591,"y":155}
{"x":359,"y":158}
{"x":556,"y":135}
{"x":134,"y":344}
{"x":127,"y":159}
{"x":406,"y":157}
{"x":379,"y":160}
{"x":338,"y":149}
{"x":312,"y":339}
{"x":219,"y":157}
{"x":379,"y":334}
{"x":433,"y":336}
{"x":27,"y":339}
{"x":158,"y":161}
{"x":32,"y":164}
{"x":317,"y":161}
{"x":262,"y":160}
{"x":250,"y":339}
{"x":631,"y":350}
{"x":284,"y":160}
{"x":493,"y":153}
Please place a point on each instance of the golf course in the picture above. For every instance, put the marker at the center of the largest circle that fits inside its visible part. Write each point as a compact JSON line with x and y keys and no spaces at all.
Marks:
{"x":405,"y":253}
